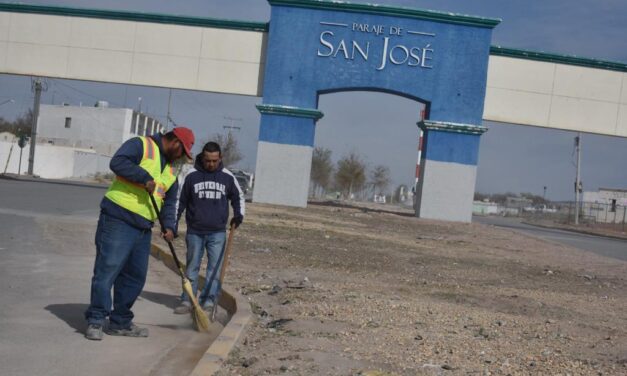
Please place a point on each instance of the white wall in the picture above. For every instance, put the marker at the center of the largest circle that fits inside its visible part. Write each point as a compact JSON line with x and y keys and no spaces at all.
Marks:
{"x":555,"y":95}
{"x":53,"y":162}
{"x":131,"y":52}
{"x":98,"y":128}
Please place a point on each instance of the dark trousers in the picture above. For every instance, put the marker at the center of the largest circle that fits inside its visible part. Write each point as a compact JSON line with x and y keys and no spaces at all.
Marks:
{"x":122,"y":253}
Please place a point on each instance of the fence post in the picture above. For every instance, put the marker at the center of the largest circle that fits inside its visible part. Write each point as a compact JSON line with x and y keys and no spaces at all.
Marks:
{"x":570,"y":206}
{"x":624,"y":211}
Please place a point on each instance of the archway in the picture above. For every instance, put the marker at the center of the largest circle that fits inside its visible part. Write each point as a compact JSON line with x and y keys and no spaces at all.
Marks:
{"x":438,"y":58}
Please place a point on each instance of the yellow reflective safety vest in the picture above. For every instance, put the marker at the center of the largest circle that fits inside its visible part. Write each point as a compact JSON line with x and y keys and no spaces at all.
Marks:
{"x":133,"y":196}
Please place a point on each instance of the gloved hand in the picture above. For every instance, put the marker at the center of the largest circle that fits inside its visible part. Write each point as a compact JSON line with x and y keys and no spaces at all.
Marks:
{"x":236,"y":221}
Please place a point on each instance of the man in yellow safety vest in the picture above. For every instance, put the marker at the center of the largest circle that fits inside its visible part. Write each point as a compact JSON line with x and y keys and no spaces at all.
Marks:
{"x":143,"y":166}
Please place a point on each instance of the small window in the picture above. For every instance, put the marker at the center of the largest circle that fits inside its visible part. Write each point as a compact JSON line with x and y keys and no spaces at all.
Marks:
{"x":613,"y":210}
{"x":68,"y":122}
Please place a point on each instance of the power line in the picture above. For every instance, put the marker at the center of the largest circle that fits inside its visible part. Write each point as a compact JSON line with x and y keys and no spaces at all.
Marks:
{"x":85,"y":93}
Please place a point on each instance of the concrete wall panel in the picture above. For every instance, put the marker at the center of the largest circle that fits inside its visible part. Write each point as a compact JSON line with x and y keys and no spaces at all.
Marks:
{"x":587,"y":83}
{"x":577,"y":98}
{"x":37,"y":60}
{"x":530,"y":108}
{"x":281,"y":182}
{"x":132,"y":52}
{"x":222,"y":76}
{"x":525,"y":75}
{"x":5,"y":25}
{"x":4,"y":52}
{"x":623,"y":94}
{"x":167,"y":71}
{"x":102,"y":34}
{"x":575,"y":114}
{"x":40,"y":29}
{"x":231,"y":45}
{"x":169,"y":40}
{"x":100,"y":65}
{"x":621,"y":127}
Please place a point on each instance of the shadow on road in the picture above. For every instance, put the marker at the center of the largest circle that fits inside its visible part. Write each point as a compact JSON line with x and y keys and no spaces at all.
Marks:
{"x":71,"y":313}
{"x":168,"y":300}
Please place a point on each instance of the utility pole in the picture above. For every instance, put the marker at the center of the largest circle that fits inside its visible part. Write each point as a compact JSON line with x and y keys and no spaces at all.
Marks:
{"x":167,"y":124}
{"x":577,"y":179}
{"x":38,"y":87}
{"x":231,"y":126}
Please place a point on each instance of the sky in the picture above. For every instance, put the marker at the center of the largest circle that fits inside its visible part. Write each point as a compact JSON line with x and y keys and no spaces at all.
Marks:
{"x":512,"y":158}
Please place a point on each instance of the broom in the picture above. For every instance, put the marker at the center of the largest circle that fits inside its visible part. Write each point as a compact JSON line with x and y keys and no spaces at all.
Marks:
{"x":201,"y":321}
{"x":223,"y":258}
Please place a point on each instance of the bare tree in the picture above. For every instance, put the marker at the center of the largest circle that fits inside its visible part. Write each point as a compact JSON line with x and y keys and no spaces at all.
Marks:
{"x":230,"y":149}
{"x":321,"y":170}
{"x":21,"y":125}
{"x":350,"y":176}
{"x":380,"y":179}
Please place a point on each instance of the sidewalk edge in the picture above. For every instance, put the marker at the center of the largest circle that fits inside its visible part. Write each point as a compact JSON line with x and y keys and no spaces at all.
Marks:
{"x":239,"y":311}
{"x":575,"y":231}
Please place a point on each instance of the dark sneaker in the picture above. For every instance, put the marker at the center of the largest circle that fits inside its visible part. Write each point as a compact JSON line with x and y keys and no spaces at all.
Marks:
{"x":208,"y":307}
{"x":183,"y":308}
{"x":94,"y":332}
{"x":132,"y":331}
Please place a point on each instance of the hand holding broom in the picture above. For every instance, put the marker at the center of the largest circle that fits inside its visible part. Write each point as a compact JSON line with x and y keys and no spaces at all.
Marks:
{"x":201,"y":321}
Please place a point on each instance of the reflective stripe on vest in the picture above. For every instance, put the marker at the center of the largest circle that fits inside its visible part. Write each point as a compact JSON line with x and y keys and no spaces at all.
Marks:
{"x":133,"y":196}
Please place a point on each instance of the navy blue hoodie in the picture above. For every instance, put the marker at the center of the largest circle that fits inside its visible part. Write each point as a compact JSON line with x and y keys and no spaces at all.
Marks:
{"x":204,"y":198}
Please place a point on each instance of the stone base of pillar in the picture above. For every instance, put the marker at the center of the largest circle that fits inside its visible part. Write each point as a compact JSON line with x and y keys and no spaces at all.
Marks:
{"x":282,"y":174}
{"x":447,"y":191}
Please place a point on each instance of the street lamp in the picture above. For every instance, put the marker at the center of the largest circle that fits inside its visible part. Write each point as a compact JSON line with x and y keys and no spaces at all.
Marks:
{"x":7,"y":101}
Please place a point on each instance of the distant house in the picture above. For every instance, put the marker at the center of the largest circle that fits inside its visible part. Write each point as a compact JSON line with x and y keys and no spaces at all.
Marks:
{"x":100,"y":128}
{"x":7,"y":136}
{"x":77,"y":141}
{"x":485,"y":208}
{"x":607,"y":205}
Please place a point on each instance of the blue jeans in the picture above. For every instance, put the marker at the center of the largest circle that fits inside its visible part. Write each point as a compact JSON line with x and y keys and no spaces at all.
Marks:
{"x":122,"y":253}
{"x":213,"y":243}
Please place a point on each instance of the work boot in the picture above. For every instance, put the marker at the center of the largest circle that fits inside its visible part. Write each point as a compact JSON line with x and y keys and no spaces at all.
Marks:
{"x":183,"y":308}
{"x":131,"y":331}
{"x":208,"y":307}
{"x":94,"y":332}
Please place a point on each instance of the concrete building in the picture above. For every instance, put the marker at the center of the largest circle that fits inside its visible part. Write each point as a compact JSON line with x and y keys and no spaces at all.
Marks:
{"x":99,"y":128}
{"x":607,"y":205}
{"x":76,"y":141}
{"x":485,"y":208}
{"x":7,"y":136}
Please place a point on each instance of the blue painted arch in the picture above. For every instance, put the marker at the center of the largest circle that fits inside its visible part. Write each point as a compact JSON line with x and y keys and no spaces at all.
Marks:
{"x":316,"y":47}
{"x":375,"y":90}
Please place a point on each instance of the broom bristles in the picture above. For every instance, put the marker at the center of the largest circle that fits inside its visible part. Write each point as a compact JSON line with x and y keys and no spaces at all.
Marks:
{"x":201,"y":321}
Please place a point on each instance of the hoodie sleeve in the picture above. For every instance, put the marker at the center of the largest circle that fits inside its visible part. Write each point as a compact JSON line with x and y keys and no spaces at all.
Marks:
{"x":168,"y":212}
{"x":182,"y":201}
{"x":125,"y":162}
{"x":236,"y":196}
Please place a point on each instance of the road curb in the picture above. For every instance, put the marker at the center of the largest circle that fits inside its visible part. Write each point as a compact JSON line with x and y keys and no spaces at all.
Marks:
{"x":240,"y":314}
{"x":575,"y":231}
{"x":52,"y":181}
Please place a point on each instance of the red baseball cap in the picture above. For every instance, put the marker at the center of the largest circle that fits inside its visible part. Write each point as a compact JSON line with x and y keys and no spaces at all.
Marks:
{"x":186,"y":136}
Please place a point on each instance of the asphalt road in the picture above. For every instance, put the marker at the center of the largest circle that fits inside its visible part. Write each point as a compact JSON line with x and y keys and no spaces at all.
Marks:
{"x":609,"y":247}
{"x":47,"y":251}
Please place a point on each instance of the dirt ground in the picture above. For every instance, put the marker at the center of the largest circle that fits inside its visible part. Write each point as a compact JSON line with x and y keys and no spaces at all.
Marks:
{"x":340,"y":290}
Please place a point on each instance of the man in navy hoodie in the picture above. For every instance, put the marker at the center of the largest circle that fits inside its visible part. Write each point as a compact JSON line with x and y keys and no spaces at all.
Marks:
{"x":204,"y":197}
